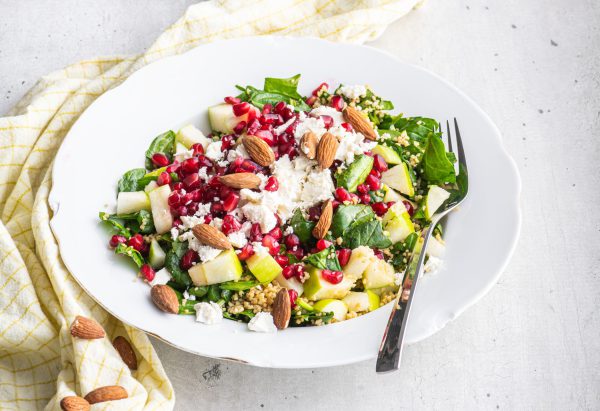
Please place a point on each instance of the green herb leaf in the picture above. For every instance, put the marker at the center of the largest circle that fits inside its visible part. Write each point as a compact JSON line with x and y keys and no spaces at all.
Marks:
{"x":348,"y":216}
{"x":172,"y":264}
{"x":309,"y":317}
{"x":116,"y":223}
{"x":238,"y":285}
{"x":285,"y":86}
{"x":129,"y":181}
{"x":302,"y":227}
{"x":325,"y":260}
{"x":437,"y":168}
{"x":369,"y":233}
{"x":163,"y":143}
{"x":132,"y":253}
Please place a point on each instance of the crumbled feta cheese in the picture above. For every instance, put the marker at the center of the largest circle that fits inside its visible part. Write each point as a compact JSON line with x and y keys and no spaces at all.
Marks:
{"x":217,"y":223}
{"x":262,"y":322}
{"x":208,"y":313}
{"x":314,"y":124}
{"x":353,"y":92}
{"x":205,"y":252}
{"x":183,"y":154}
{"x":162,"y":276}
{"x":223,"y":163}
{"x":237,"y":239}
{"x":398,"y":277}
{"x":337,"y":116}
{"x":213,"y":151}
{"x":240,"y":151}
{"x":288,"y":230}
{"x":259,"y":248}
{"x":187,"y":296}
{"x":174,"y":233}
{"x":280,"y":129}
{"x":203,"y":174}
{"x":351,"y":144}
{"x":318,"y":187}
{"x":249,"y":195}
{"x":260,"y":214}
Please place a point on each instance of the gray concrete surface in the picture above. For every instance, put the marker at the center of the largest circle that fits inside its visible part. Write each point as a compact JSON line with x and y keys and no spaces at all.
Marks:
{"x":534,"y":341}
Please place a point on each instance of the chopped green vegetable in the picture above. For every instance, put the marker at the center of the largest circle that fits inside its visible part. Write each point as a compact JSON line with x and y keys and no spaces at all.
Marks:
{"x":348,"y":216}
{"x":302,"y":227}
{"x":115,"y":223}
{"x":369,"y":233}
{"x":130,"y":180}
{"x":172,"y":264}
{"x":163,"y":143}
{"x":356,"y":173}
{"x":437,"y":168}
{"x":238,"y":285}
{"x":325,"y":259}
{"x":132,"y":253}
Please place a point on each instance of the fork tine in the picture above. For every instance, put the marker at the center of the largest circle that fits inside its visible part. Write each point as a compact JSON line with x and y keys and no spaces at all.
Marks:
{"x":449,"y":136}
{"x":461,"y":152}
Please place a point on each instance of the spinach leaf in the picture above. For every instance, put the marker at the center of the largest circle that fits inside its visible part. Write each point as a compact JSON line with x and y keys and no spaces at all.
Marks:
{"x":163,"y":143}
{"x":132,"y":253}
{"x":309,"y":317}
{"x":172,"y":260}
{"x":369,"y":233}
{"x":275,"y":90}
{"x":138,"y":222}
{"x":116,"y":223}
{"x":199,"y":291}
{"x":238,"y":285}
{"x":302,"y":227}
{"x":356,"y":173}
{"x":325,"y":260}
{"x":437,"y":168}
{"x":347,"y":216}
{"x":285,"y":86}
{"x":129,"y":181}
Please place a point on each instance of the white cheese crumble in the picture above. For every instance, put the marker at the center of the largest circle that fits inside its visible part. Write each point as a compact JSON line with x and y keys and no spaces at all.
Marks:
{"x":203,"y":174}
{"x":205,"y":252}
{"x":318,"y":187}
{"x":337,"y":116}
{"x":261,"y":214}
{"x":288,"y":230}
{"x":213,"y":151}
{"x":259,"y":248}
{"x":161,"y":277}
{"x":262,"y":322}
{"x":353,"y":92}
{"x":208,"y":313}
{"x":237,"y":239}
{"x":240,"y":151}
{"x":183,"y":154}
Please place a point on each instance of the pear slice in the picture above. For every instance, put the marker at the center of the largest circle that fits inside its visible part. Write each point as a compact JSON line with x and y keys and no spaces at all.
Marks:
{"x":190,"y":135}
{"x":398,"y":178}
{"x":224,"y":267}
{"x":397,"y":222}
{"x":435,"y":198}
{"x":131,"y":202}
{"x":337,"y":307}
{"x":161,"y":212}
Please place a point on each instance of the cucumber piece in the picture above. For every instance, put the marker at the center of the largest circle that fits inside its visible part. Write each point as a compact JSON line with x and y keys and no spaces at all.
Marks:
{"x":356,"y":173}
{"x":156,"y":255}
{"x":132,"y":201}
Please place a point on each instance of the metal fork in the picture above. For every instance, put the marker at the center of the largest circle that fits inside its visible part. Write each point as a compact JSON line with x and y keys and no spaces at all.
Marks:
{"x":390,"y":350}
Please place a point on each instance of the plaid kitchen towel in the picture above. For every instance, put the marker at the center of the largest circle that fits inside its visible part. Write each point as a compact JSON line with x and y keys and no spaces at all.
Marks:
{"x":40,"y":362}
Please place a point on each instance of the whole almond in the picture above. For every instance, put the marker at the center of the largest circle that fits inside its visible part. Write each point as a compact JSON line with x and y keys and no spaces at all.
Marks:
{"x":126,"y":352}
{"x":322,"y":226}
{"x":107,"y":393}
{"x":86,"y":328}
{"x":240,"y":180}
{"x":258,"y":150}
{"x":209,"y":235}
{"x":359,"y":122}
{"x":326,"y":150}
{"x":308,"y":144}
{"x":165,"y":298}
{"x":282,"y":309}
{"x":74,"y":403}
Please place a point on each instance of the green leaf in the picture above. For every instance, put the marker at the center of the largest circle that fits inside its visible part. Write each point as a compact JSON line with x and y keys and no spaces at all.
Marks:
{"x":309,"y":317}
{"x":369,"y":233}
{"x":348,"y":216}
{"x":199,"y":292}
{"x":302,"y":227}
{"x":437,"y":168}
{"x":285,"y":86}
{"x":116,"y":223}
{"x":356,"y":173}
{"x":325,"y":260}
{"x":130,"y":252}
{"x":129,"y":181}
{"x":163,"y":143}
{"x":138,"y":222}
{"x":238,"y":285}
{"x":172,"y":264}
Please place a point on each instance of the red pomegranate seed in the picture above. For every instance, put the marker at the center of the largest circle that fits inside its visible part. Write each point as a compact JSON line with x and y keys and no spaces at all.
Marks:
{"x":379,"y":254}
{"x":137,"y":242}
{"x":239,"y":127}
{"x":241,"y":109}
{"x":288,"y":272}
{"x":192,"y":208}
{"x":250,"y":166}
{"x":246,"y":252}
{"x":337,"y":102}
{"x":191,"y":165}
{"x":188,"y":259}
{"x":327,"y":120}
{"x":343,"y":256}
{"x":160,"y":160}
{"x":365,"y":198}
{"x":342,"y":194}
{"x":291,"y":241}
{"x":227,"y":142}
{"x":287,"y":113}
{"x":232,"y":100}
{"x":271,"y":243}
{"x":204,"y":161}
{"x":323,"y":244}
{"x":335,"y":204}
{"x":375,"y":173}
{"x":196,"y":195}
{"x":314,"y":213}
{"x":187,"y":198}
{"x":192,"y":181}
{"x":333,"y":277}
{"x":255,"y":232}
{"x":163,"y":179}
{"x":272,"y":184}
{"x":173,"y":167}
{"x":224,"y":192}
{"x":379,"y":208}
{"x":115,"y":240}
{"x":216,"y":208}
{"x":177,"y":222}
{"x":266,"y":135}
{"x":299,"y":272}
{"x":409,"y":207}
{"x":348,"y":127}
{"x":267,"y":108}
{"x":297,"y":252}
{"x":197,"y":149}
{"x":373,"y":182}
{"x":147,"y":272}
{"x":279,"y":107}
{"x":253,"y":126}
{"x":230,"y":224}
{"x":276,"y":233}
{"x":181,"y":210}
{"x":379,"y":164}
{"x":362,"y":189}
{"x":177,"y":186}
{"x":275,"y":119}
{"x":321,"y":86}
{"x":231,"y":202}
{"x":311,"y":100}
{"x":282,"y":260}
{"x":293,"y":294}
{"x":207,"y":219}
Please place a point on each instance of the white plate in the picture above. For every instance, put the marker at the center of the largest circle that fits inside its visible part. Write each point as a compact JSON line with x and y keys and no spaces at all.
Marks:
{"x":113,"y":133}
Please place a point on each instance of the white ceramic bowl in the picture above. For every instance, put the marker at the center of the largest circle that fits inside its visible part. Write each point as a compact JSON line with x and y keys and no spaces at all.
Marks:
{"x":113,"y":133}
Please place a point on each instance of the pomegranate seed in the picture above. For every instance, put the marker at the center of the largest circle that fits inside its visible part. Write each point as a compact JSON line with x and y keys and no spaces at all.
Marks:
{"x":288,"y":272}
{"x":232,"y":100}
{"x":267,"y":108}
{"x":314,"y":213}
{"x":318,"y":89}
{"x":255,"y":232}
{"x":177,"y":222}
{"x":311,"y":100}
{"x":196,"y":196}
{"x":343,"y":256}
{"x":335,"y":204}
{"x":231,"y":202}
{"x":197,"y":149}
{"x":327,"y":120}
{"x":250,"y":166}
{"x":347,"y":126}
{"x":181,"y":210}
{"x":177,"y":186}
{"x":379,"y":208}
{"x":379,"y":164}
{"x":362,"y":189}
{"x":227,"y":142}
{"x":354,"y":198}
{"x":375,"y":173}
{"x":230,"y":224}
{"x":147,"y":272}
{"x":337,"y":102}
{"x":323,"y":244}
{"x":187,"y":198}
{"x":287,"y":149}
{"x":160,"y":160}
{"x":276,"y":233}
{"x":137,"y":242}
{"x":115,"y":240}
{"x":204,"y":161}
{"x":173,"y":167}
{"x":293,"y":294}
{"x":163,"y":179}
{"x":188,"y":259}
{"x":279,"y":107}
{"x":292,"y":241}
{"x":299,"y":272}
{"x":333,"y":277}
{"x":246,"y":252}
{"x":216,"y":208}
{"x":272,"y":119}
{"x":192,"y":208}
{"x":365,"y":198}
{"x":207,"y":219}
{"x":292,"y":128}
{"x":272,"y":184}
{"x":271,"y":243}
{"x":253,"y":126}
{"x":191,"y":165}
{"x":224,"y":192}
{"x":282,"y":260}
{"x":409,"y":207}
{"x":342,"y":194}
{"x":241,"y":109}
{"x":239,"y":127}
{"x":379,"y":254}
{"x":287,"y":113}
{"x":297,"y":252}
{"x":373,"y":182}
{"x":192,"y":181}
{"x":266,"y":135}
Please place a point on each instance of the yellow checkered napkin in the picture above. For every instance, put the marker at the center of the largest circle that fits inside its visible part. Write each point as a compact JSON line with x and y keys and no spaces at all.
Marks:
{"x":40,"y":363}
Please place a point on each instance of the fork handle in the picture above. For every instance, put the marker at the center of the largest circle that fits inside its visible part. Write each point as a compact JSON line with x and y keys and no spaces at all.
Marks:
{"x":390,"y":350}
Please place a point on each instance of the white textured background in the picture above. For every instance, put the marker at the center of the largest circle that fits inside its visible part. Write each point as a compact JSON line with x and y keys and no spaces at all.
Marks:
{"x":534,"y":341}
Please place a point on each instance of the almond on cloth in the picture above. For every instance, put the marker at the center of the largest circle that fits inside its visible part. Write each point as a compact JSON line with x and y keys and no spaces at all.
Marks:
{"x":86,"y":328}
{"x":126,"y":352}
{"x":74,"y":403}
{"x":107,"y":393}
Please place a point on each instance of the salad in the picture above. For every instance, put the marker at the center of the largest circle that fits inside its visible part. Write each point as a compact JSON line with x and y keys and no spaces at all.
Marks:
{"x":291,"y":211}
